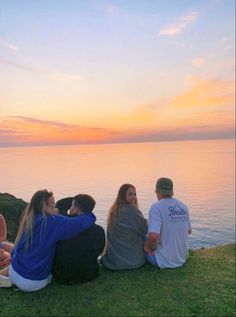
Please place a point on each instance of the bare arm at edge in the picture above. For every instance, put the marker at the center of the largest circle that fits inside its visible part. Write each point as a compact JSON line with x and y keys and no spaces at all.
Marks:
{"x":3,"y":229}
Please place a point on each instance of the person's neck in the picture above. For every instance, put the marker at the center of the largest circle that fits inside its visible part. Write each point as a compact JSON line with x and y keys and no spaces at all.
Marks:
{"x":160,"y":197}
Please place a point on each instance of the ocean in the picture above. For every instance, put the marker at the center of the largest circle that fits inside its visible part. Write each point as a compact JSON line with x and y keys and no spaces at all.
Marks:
{"x":203,"y":173}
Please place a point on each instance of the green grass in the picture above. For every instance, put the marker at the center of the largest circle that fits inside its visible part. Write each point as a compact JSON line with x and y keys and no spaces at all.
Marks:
{"x":205,"y":286}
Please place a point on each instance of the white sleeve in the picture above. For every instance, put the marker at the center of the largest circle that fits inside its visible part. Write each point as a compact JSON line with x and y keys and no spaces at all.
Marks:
{"x":154,"y":221}
{"x":188,"y":221}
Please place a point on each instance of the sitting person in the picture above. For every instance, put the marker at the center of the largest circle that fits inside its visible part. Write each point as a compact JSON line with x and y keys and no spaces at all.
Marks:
{"x":35,"y":244}
{"x":5,"y":247}
{"x":76,"y":259}
{"x":169,"y":226}
{"x":126,"y":231}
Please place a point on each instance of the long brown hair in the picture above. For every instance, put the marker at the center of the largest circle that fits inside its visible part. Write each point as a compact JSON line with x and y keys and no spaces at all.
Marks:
{"x":120,"y":200}
{"x":37,"y":205}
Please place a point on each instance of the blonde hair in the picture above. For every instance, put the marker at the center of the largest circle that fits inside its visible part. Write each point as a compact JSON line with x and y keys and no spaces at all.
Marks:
{"x":37,"y":205}
{"x":120,"y":200}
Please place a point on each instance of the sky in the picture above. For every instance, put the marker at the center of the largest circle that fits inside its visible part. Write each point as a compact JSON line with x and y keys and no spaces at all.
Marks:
{"x":97,"y":71}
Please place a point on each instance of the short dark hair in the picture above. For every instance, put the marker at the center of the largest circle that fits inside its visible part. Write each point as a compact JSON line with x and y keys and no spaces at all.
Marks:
{"x":84,"y":202}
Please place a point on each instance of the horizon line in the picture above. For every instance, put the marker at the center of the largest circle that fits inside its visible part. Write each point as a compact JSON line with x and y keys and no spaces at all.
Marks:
{"x":120,"y":142}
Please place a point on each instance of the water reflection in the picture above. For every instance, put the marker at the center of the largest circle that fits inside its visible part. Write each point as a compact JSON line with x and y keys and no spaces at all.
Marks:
{"x":202,"y":171}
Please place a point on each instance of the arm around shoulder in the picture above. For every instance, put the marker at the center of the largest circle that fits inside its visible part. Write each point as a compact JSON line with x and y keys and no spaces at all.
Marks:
{"x":70,"y":226}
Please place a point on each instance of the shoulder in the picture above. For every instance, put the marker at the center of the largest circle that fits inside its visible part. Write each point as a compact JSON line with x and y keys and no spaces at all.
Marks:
{"x":180,"y":203}
{"x":52,"y":219}
{"x":130,"y":210}
{"x":56,"y":217}
{"x":95,"y":232}
{"x":155,"y":206}
{"x":155,"y":210}
{"x":96,"y":229}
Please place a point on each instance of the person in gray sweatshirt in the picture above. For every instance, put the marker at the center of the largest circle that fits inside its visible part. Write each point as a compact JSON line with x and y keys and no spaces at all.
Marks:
{"x":126,"y":232}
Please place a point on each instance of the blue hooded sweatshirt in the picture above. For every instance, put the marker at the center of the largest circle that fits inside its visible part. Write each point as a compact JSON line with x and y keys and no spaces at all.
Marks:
{"x":35,"y":262}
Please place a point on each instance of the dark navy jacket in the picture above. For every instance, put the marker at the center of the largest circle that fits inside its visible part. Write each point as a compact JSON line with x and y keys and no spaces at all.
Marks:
{"x":75,"y":259}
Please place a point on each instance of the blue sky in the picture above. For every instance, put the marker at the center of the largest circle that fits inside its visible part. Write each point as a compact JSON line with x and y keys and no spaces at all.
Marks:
{"x":121,"y":67}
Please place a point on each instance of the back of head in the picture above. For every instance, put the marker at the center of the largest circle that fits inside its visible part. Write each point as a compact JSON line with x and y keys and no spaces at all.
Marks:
{"x":164,"y":186}
{"x":121,"y":199}
{"x":37,"y":205}
{"x":39,"y":201}
{"x":84,"y":202}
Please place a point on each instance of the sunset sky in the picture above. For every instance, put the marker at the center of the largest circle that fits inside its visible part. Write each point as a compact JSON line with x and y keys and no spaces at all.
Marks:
{"x":95,"y":71}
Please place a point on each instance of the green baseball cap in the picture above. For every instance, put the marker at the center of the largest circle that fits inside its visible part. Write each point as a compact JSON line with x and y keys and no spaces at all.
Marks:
{"x":164,"y":186}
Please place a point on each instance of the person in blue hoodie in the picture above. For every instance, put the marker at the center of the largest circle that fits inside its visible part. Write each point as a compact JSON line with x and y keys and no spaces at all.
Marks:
{"x":39,"y":231}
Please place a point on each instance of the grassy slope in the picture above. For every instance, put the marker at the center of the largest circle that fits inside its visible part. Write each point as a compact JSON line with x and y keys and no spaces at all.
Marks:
{"x":204,"y":287}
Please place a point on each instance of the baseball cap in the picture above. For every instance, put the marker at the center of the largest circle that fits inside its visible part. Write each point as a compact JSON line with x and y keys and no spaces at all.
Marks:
{"x":164,"y":186}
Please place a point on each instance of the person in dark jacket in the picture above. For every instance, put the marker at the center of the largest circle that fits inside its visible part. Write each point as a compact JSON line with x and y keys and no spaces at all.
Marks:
{"x":76,"y":259}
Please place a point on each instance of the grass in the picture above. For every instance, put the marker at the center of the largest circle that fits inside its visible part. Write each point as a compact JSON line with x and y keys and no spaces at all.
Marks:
{"x":205,"y":286}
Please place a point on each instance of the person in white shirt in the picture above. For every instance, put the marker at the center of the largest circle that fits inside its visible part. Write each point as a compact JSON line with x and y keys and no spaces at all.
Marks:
{"x":168,"y":228}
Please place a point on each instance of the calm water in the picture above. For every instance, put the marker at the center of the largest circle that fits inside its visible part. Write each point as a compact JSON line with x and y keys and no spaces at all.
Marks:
{"x":203,"y":173}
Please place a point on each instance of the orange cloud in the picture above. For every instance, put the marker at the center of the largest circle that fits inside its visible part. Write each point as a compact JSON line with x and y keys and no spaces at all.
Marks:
{"x":141,"y":113}
{"x":206,"y":110}
{"x":208,"y":103}
{"x":142,"y":116}
{"x":221,"y":118}
{"x":18,"y":131}
{"x":31,"y":131}
{"x":206,"y":92}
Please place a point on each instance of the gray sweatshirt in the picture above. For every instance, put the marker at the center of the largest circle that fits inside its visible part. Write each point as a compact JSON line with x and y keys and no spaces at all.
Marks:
{"x":125,"y":240}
